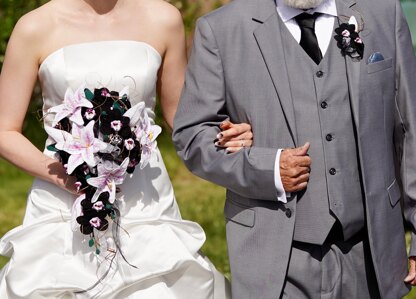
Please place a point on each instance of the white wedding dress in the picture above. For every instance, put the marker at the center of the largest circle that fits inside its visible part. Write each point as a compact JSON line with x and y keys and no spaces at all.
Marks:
{"x":49,"y":260}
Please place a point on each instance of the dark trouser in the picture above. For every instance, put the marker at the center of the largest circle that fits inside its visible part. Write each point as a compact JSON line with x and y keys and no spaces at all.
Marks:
{"x":336,"y":269}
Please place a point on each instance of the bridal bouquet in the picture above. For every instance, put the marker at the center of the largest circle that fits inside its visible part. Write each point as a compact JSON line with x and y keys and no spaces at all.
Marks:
{"x":100,"y":138}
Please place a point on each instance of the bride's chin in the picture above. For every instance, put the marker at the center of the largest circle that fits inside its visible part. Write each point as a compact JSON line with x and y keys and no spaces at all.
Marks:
{"x":303,"y":4}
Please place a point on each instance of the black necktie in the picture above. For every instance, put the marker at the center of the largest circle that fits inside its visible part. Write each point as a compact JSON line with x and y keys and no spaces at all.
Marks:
{"x":308,"y":39}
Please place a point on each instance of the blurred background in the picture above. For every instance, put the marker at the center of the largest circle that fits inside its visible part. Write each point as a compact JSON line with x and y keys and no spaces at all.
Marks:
{"x":199,"y":200}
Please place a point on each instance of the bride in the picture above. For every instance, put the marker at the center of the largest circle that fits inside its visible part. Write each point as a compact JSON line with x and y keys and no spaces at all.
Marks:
{"x":109,"y":45}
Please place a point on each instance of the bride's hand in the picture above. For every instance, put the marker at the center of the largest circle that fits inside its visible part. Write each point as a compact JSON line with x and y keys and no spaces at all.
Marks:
{"x":61,"y":178}
{"x":70,"y":186}
{"x":234,"y":136}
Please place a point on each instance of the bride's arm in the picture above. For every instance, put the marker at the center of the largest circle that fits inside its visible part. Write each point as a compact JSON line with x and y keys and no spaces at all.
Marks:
{"x":17,"y":80}
{"x":172,"y":71}
{"x":171,"y":78}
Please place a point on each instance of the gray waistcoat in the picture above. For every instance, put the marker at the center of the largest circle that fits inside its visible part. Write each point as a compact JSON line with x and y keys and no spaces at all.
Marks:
{"x":323,"y":117}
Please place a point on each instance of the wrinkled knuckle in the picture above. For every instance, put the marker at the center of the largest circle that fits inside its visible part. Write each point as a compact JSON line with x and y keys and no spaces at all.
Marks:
{"x":292,"y":172}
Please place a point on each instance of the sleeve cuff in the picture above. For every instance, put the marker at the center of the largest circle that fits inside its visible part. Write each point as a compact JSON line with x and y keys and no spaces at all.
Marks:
{"x":282,"y":196}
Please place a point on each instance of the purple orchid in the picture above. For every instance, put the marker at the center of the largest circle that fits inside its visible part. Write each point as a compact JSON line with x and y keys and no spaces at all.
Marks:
{"x":110,"y":175}
{"x":89,"y":114}
{"x":116,"y":125}
{"x":76,"y":212}
{"x":98,"y":206}
{"x":95,"y":222}
{"x":71,"y":107}
{"x":129,"y":144}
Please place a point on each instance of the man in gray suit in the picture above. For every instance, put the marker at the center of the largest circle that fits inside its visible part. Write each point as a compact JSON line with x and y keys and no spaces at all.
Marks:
{"x":329,"y":89}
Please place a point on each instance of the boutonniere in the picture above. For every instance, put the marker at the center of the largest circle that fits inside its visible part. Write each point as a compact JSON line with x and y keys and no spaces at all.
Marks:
{"x":349,"y":40}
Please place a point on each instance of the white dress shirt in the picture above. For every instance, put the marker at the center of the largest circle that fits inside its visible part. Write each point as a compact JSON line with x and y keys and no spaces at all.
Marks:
{"x":324,"y":26}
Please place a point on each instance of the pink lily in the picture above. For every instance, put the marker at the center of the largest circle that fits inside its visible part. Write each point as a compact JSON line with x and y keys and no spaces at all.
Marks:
{"x":110,"y":175}
{"x":135,"y":113}
{"x":146,"y":134}
{"x":73,"y":102}
{"x":81,"y":144}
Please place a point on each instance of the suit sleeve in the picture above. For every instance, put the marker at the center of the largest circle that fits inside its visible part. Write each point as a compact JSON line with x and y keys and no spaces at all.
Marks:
{"x":406,"y":102}
{"x":250,"y":171}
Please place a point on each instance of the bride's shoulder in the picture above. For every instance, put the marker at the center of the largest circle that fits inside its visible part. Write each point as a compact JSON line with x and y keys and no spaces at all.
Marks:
{"x":34,"y":24}
{"x":31,"y":31}
{"x":164,"y":13}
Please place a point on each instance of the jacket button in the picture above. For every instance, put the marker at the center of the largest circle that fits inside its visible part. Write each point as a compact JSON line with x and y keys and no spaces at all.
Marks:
{"x":319,"y":74}
{"x":288,"y":213}
{"x":332,"y":171}
{"x":324,"y":105}
{"x":329,"y":137}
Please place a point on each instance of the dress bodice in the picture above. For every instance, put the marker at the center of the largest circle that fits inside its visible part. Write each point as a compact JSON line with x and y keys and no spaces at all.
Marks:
{"x":110,"y":64}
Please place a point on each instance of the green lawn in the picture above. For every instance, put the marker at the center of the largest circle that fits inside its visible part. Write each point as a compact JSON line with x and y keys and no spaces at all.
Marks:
{"x":199,"y":201}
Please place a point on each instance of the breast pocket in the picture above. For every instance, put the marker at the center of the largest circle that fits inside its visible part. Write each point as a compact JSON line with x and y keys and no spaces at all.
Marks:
{"x":379,"y":65}
{"x":238,"y":213}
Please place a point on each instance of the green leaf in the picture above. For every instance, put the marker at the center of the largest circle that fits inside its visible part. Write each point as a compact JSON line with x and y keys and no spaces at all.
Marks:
{"x":52,"y":148}
{"x":88,"y":94}
{"x":118,"y":107}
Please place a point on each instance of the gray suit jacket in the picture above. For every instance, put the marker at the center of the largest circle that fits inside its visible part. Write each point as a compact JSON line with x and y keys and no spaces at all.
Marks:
{"x":237,"y":71}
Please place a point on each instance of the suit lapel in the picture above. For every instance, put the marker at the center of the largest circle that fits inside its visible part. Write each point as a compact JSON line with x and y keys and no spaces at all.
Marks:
{"x":268,"y":39}
{"x":345,"y":9}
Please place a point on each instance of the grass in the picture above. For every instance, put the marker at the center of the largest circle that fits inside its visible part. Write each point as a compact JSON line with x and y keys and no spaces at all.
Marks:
{"x":13,"y":189}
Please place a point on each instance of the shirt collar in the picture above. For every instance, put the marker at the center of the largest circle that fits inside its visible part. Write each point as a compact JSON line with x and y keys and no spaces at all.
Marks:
{"x":287,"y":13}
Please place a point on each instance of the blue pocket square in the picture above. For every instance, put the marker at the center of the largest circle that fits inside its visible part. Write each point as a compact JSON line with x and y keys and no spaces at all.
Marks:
{"x":376,"y":56}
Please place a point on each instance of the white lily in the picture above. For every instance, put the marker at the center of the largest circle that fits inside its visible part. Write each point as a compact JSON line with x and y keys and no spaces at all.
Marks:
{"x":135,"y":113}
{"x":81,"y":144}
{"x":146,"y":134}
{"x":110,"y":175}
{"x":73,"y":102}
{"x":353,"y":21}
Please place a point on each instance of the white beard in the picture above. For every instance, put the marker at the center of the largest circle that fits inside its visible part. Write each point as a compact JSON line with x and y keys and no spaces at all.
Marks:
{"x":303,"y":4}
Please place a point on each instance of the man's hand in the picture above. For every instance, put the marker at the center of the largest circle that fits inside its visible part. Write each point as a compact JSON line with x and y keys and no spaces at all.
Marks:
{"x":411,"y":276}
{"x":295,"y":166}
